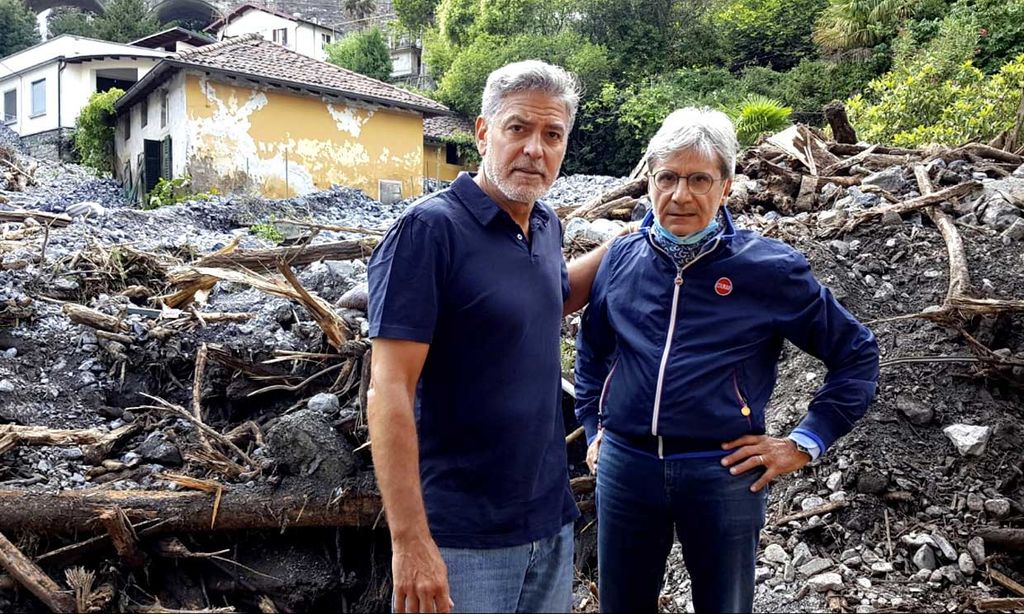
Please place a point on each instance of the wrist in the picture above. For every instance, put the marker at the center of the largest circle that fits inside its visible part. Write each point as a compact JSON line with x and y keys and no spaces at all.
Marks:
{"x":799,"y":449}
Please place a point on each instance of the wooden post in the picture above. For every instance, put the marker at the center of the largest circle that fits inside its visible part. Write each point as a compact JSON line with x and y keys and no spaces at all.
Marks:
{"x":842,"y":131}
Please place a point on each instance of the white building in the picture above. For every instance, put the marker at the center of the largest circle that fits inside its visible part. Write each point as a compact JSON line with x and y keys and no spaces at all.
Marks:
{"x":45,"y":86}
{"x":292,"y":32}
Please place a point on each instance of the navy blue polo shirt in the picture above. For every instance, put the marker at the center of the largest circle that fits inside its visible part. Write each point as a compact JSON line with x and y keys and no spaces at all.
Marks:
{"x":456,"y":272}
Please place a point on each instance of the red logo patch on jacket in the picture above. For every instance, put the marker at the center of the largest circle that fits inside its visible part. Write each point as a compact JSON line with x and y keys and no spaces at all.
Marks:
{"x":723,"y":286}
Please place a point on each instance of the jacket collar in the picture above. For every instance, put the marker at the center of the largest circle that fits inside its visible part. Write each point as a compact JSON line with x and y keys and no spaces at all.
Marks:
{"x":483,"y":207}
{"x":728,"y":228}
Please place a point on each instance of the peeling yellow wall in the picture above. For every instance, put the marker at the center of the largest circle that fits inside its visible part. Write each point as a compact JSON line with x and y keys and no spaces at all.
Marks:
{"x":436,"y":167}
{"x":281,"y":145}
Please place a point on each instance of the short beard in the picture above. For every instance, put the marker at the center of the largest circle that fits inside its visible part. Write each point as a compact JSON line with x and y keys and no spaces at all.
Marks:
{"x":496,"y":174}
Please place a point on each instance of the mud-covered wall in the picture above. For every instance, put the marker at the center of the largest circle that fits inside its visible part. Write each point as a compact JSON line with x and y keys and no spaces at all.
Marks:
{"x":281,"y":145}
{"x":436,"y":166}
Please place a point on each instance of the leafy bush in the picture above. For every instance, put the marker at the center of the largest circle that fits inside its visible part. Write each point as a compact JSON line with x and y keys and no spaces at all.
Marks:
{"x":936,"y":95}
{"x":758,"y":115}
{"x":94,"y":130}
{"x":812,"y":84}
{"x":173,"y":191}
{"x":852,"y":24}
{"x":365,"y":52}
{"x":268,"y":231}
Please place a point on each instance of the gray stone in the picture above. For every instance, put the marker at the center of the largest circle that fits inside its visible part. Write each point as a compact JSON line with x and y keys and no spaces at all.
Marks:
{"x":945,"y":548}
{"x":305,"y":444}
{"x":966,"y":564}
{"x":815,"y":566}
{"x":975,"y":502}
{"x":891,"y":218}
{"x":916,"y":540}
{"x":575,"y":228}
{"x":863,"y":199}
{"x":872,"y":482}
{"x":6,"y":385}
{"x":864,"y":583}
{"x":840,"y":247}
{"x":775,"y":553}
{"x":157,"y":449}
{"x":601,"y":230}
{"x":826,"y":582}
{"x":356,"y":298}
{"x":342,"y":270}
{"x":924,"y":558}
{"x":890,"y":180}
{"x":998,"y":508}
{"x":870,"y":557}
{"x":834,"y":480}
{"x":969,"y":440}
{"x":761,"y":574}
{"x":921,"y":575}
{"x":831,"y":217}
{"x":325,"y":403}
{"x":916,"y":412}
{"x":789,"y":572}
{"x":1019,"y":172}
{"x":810,"y":503}
{"x":801,"y":554}
{"x":881,"y":567}
{"x":839,"y":495}
{"x":1016,"y":230}
{"x":976,"y":548}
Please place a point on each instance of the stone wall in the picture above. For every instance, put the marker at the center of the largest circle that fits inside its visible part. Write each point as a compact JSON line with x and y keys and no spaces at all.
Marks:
{"x":45,"y":145}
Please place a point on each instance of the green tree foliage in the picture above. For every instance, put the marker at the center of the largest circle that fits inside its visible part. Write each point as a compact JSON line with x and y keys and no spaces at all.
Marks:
{"x":757,"y":115}
{"x":415,"y":15}
{"x":852,"y":24}
{"x":936,"y":95}
{"x":774,"y":33}
{"x":94,"y":130}
{"x":360,"y":9}
{"x":463,"y":83}
{"x":17,"y":27}
{"x":456,"y":21}
{"x":364,"y":52}
{"x":67,"y":20}
{"x":126,"y":20}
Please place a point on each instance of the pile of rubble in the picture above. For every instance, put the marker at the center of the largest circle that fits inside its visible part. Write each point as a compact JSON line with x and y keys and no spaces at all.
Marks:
{"x":181,"y":395}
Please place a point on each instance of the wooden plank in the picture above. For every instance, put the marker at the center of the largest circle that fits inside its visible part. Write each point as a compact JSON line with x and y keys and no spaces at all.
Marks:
{"x":31,"y":577}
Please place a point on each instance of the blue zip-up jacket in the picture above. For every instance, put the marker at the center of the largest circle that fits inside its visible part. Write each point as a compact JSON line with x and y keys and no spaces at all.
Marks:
{"x":693,"y":352}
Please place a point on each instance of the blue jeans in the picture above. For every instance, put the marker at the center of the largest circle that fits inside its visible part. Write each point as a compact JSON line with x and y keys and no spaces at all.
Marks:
{"x":641,"y":498}
{"x":534,"y":577}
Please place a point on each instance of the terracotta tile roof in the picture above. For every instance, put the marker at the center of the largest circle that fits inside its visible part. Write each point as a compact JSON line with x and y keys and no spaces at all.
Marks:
{"x":447,"y":125}
{"x":253,"y":55}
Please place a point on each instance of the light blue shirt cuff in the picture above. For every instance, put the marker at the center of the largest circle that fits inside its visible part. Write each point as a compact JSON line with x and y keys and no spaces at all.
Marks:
{"x":807,"y":442}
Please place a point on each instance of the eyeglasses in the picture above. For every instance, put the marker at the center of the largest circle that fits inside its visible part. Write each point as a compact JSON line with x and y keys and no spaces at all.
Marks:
{"x":698,"y":183}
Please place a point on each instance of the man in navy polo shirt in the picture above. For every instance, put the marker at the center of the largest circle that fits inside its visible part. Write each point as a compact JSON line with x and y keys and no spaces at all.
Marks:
{"x":467,"y":294}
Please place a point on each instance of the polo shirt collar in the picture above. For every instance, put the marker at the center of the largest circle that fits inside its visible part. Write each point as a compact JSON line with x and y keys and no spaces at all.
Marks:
{"x":483,"y":207}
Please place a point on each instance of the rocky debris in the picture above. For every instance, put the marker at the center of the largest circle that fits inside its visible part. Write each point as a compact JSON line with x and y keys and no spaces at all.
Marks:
{"x":826,"y":582}
{"x":304,"y":444}
{"x":969,"y":440}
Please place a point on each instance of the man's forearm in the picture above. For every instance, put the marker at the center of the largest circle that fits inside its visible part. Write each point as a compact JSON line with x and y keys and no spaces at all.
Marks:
{"x":396,"y":460}
{"x":582,"y":271}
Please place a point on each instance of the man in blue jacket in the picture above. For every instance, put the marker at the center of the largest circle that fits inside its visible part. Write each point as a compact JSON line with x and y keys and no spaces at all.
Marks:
{"x":677,"y":358}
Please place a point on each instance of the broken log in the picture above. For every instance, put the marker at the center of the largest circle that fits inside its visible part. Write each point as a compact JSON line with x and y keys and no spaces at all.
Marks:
{"x":634,"y":187}
{"x":842,"y":165}
{"x":13,"y":434}
{"x":844,"y":149}
{"x":240,"y":508}
{"x":56,"y":220}
{"x":959,"y":277}
{"x":603,"y":209}
{"x":122,"y":536}
{"x":925,"y":200}
{"x":1000,"y":605}
{"x":842,"y":130}
{"x":829,"y":507}
{"x":295,"y":256}
{"x":80,"y":314}
{"x":31,"y":577}
{"x":1003,"y":539}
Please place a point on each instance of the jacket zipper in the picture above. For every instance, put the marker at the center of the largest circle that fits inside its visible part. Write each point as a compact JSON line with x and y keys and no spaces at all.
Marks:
{"x":604,"y":390}
{"x":744,"y":408}
{"x":668,"y":338}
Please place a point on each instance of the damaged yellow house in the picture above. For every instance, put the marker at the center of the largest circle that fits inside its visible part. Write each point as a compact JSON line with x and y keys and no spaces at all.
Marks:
{"x":246,"y":115}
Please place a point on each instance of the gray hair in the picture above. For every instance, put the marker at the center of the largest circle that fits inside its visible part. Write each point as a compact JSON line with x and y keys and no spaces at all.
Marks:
{"x":530,"y":76}
{"x":705,"y":131}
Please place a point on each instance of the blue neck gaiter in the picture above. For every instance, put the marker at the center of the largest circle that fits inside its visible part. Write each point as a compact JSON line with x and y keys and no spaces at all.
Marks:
{"x":684,"y":249}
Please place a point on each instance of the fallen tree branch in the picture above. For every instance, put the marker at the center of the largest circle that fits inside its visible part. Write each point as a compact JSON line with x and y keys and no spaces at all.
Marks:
{"x":56,"y":220}
{"x":213,"y":434}
{"x":240,"y":508}
{"x":13,"y":434}
{"x":31,"y":577}
{"x":295,"y":256}
{"x":925,"y":200}
{"x":820,"y":510}
{"x":1003,"y":539}
{"x":634,"y":188}
{"x":959,"y":277}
